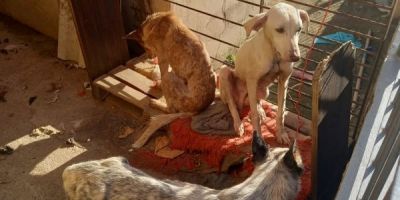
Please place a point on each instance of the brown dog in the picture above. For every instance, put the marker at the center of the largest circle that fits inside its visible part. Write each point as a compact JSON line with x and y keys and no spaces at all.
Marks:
{"x":190,"y":85}
{"x":187,"y":79}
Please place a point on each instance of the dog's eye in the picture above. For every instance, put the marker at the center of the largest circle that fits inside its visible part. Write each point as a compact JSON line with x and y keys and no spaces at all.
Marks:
{"x":299,"y":29}
{"x":280,"y":30}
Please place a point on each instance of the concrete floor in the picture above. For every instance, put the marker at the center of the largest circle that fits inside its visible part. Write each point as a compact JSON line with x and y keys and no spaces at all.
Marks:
{"x":33,"y":171}
{"x":28,"y":69}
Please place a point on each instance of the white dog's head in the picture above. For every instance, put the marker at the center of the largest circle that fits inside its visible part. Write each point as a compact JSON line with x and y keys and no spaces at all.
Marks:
{"x":282,"y":25}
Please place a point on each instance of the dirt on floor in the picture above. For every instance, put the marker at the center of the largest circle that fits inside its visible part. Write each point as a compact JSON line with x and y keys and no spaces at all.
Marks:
{"x":38,"y":91}
{"x":50,"y":120}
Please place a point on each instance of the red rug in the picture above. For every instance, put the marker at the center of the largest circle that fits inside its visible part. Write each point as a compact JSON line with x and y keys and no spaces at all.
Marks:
{"x":209,"y":150}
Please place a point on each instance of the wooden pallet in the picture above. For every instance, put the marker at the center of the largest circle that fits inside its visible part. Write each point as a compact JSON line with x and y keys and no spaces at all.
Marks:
{"x":132,"y":83}
{"x":128,"y":84}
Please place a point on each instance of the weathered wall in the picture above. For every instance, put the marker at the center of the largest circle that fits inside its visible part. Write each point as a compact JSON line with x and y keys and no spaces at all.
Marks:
{"x":228,"y":9}
{"x":45,"y":14}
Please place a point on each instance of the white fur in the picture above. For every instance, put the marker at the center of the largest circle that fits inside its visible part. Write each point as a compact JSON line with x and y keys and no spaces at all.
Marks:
{"x":260,"y":53}
{"x":155,"y":123}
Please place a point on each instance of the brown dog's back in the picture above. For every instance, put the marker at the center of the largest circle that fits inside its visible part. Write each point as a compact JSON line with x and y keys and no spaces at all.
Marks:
{"x":190,"y":87}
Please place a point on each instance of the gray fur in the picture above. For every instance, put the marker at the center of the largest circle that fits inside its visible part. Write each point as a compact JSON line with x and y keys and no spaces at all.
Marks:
{"x":113,"y":178}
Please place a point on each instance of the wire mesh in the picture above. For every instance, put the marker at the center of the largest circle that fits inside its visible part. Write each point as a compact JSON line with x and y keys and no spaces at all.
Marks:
{"x":365,"y":20}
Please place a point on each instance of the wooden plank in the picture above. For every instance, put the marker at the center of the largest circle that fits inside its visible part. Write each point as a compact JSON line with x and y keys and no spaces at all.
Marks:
{"x":314,"y":123}
{"x":126,"y":93}
{"x":291,"y":120}
{"x":331,"y":149}
{"x":136,"y":80}
{"x":100,"y":31}
{"x":120,"y":89}
{"x":141,"y":64}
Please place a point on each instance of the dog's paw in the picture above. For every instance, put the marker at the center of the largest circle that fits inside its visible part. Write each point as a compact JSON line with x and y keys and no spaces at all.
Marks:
{"x":283,"y":138}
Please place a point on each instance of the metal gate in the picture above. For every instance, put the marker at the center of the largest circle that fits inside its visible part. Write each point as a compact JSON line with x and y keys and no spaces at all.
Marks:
{"x":368,"y":21}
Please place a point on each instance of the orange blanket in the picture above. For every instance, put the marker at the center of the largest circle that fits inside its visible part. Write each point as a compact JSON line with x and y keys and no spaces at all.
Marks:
{"x":213,"y":149}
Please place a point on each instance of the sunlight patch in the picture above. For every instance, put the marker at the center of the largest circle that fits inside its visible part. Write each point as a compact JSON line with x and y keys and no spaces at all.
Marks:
{"x":56,"y":159}
{"x":37,"y":134}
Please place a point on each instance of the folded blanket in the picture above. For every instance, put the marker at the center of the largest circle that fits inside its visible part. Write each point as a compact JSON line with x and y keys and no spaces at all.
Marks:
{"x":216,"y":119}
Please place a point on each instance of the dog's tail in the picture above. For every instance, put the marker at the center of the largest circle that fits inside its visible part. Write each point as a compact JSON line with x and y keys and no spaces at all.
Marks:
{"x":155,"y":123}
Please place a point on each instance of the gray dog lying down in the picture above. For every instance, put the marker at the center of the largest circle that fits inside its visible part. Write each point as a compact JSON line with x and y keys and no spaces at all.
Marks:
{"x":276,"y":176}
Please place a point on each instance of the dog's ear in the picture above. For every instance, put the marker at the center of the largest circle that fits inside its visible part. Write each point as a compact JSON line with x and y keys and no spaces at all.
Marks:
{"x":255,"y":23}
{"x":292,"y":159}
{"x":259,"y":148}
{"x":305,"y":19}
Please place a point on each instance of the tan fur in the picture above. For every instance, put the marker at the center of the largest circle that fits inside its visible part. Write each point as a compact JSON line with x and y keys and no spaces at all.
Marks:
{"x":187,"y":80}
{"x":190,"y":85}
{"x":155,"y":123}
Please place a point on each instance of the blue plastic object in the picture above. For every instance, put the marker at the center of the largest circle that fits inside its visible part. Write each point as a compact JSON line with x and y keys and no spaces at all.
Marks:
{"x":340,"y":37}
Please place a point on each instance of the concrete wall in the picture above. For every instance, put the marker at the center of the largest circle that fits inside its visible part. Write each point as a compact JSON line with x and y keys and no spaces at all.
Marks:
{"x":41,"y":15}
{"x":228,"y":9}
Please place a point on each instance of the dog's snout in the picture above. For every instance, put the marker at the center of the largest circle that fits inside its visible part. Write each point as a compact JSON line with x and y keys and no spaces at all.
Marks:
{"x":294,"y":58}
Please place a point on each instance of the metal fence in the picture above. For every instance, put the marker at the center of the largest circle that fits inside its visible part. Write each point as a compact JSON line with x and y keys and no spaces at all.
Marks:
{"x":367,"y":21}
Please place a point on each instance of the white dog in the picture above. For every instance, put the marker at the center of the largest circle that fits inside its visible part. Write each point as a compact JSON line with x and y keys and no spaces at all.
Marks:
{"x":266,"y":56}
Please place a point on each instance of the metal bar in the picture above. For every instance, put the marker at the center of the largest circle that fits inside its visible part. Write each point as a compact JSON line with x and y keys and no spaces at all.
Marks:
{"x":334,"y":41}
{"x":291,"y":89}
{"x":352,"y":125}
{"x":324,"y":9}
{"x":271,"y":91}
{"x":361,"y":77}
{"x":353,"y":114}
{"x":261,"y":6}
{"x":301,"y":81}
{"x":230,"y":21}
{"x":202,"y":12}
{"x":328,"y":53}
{"x":356,"y":90}
{"x":339,"y":13}
{"x":326,"y":24}
{"x":374,"y":70}
{"x":254,"y":4}
{"x":291,"y":100}
{"x":314,"y":48}
{"x":305,"y":71}
{"x":214,"y":38}
{"x":365,"y":65}
{"x":372,"y":4}
{"x":235,"y":46}
{"x":356,"y":103}
{"x":347,"y":30}
{"x":360,"y":71}
{"x":223,"y":62}
{"x":310,"y":60}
